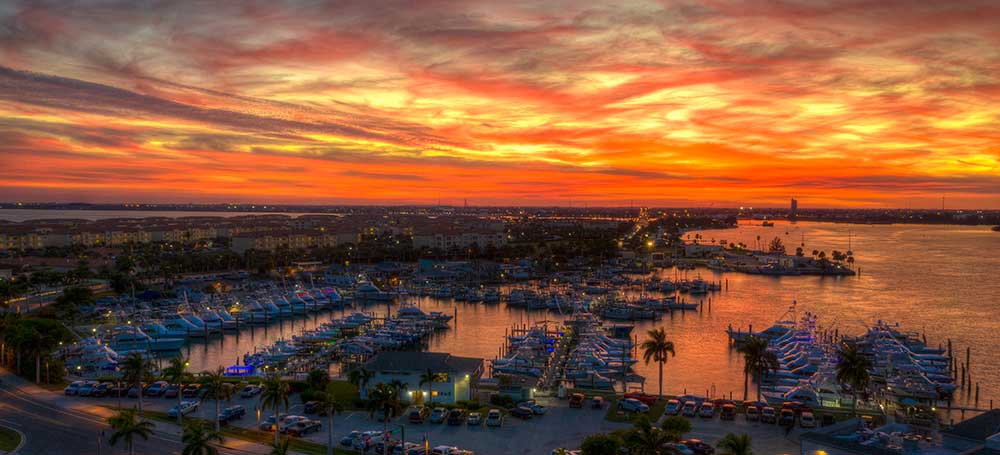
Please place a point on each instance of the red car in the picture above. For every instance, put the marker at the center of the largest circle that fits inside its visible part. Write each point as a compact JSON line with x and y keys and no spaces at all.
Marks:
{"x":643,"y":397}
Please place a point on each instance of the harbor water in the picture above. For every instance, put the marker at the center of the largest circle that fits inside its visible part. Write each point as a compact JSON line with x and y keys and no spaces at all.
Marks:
{"x":938,"y":280}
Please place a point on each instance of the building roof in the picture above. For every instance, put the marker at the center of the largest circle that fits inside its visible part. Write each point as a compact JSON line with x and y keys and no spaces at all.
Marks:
{"x":438,"y":362}
{"x":978,"y":428}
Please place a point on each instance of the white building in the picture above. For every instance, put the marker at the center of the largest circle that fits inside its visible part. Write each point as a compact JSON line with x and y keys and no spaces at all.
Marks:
{"x":458,"y":376}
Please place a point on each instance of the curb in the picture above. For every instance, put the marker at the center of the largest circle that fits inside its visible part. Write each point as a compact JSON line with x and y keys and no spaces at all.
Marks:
{"x":20,"y":445}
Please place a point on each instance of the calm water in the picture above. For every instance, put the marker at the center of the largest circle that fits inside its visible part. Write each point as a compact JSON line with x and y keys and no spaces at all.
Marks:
{"x":18,"y":215}
{"x":941,"y":280}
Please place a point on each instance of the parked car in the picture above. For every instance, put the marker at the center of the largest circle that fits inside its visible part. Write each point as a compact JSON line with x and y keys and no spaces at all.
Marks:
{"x":521,"y":412}
{"x":533,"y":405}
{"x":807,"y":420}
{"x":310,"y":407}
{"x":444,"y":450}
{"x":184,"y":408}
{"x":348,"y":440}
{"x":752,"y":413}
{"x":268,"y":423}
{"x":728,"y":412}
{"x":73,"y":388}
{"x":494,"y":418}
{"x":680,"y":448}
{"x":172,"y":391}
{"x":102,"y":389}
{"x":597,"y":402}
{"x":672,"y":408}
{"x":191,"y":390}
{"x":134,"y":391}
{"x":438,"y":415}
{"x":643,"y":397}
{"x":368,"y":440}
{"x":699,"y":447}
{"x":408,"y":448}
{"x":786,"y":418}
{"x":475,"y":418}
{"x":768,"y":415}
{"x":251,"y":390}
{"x":288,"y":421}
{"x":576,"y":400}
{"x":456,"y":417}
{"x":632,"y":405}
{"x":87,"y":389}
{"x":418,"y":414}
{"x":707,"y":410}
{"x":690,"y":409}
{"x":232,"y":412}
{"x":156,"y":389}
{"x":303,"y":427}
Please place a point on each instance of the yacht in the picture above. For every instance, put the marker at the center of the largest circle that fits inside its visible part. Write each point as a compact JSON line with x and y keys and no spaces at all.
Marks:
{"x":134,"y":339}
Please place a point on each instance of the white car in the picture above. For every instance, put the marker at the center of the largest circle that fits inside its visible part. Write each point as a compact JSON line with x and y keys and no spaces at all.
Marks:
{"x":690,"y":409}
{"x":707,"y":410}
{"x":186,"y":407}
{"x":367,"y":439}
{"x":632,"y":405}
{"x":673,"y":408}
{"x":536,"y":408}
{"x":250,"y":391}
{"x":444,"y":450}
{"x":494,"y":418}
{"x":807,"y":420}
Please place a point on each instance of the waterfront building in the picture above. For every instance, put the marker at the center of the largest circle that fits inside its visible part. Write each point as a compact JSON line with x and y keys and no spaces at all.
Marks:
{"x":459,"y":376}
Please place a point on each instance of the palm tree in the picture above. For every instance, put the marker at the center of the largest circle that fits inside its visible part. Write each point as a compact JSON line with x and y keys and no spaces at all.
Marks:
{"x":658,"y":349}
{"x":385,"y":398}
{"x":217,"y":389}
{"x":329,"y":404}
{"x":754,"y":349}
{"x":645,"y":439}
{"x":759,"y":362}
{"x":127,"y":427}
{"x":359,"y":377}
{"x":280,"y":447}
{"x":198,"y":439}
{"x":137,"y":369}
{"x":176,"y":373}
{"x":853,"y":371}
{"x":736,"y":444}
{"x":274,"y":396}
{"x":429,"y":377}
{"x":676,"y":427}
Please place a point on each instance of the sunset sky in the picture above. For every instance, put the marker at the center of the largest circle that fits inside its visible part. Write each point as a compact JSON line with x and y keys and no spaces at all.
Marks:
{"x":869,"y":103}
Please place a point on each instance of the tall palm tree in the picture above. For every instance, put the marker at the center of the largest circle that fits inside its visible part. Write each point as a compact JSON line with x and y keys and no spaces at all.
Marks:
{"x":852,"y":369}
{"x":127,"y":427}
{"x":274,"y":396}
{"x":217,"y":389}
{"x":736,"y":444}
{"x":429,"y":377}
{"x":398,"y":386}
{"x":135,"y":370}
{"x":329,"y":404}
{"x":754,"y":349}
{"x":383,"y":398}
{"x":176,"y":373}
{"x":657,"y":348}
{"x":280,"y":447}
{"x":760,"y":362}
{"x":359,"y":377}
{"x":198,"y":439}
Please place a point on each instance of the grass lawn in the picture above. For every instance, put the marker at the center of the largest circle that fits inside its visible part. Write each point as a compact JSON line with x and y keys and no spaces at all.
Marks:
{"x":614,"y":415}
{"x":9,"y":439}
{"x":261,"y":437}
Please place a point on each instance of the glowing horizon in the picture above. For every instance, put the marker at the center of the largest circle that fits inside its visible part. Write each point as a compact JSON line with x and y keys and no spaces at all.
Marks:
{"x":857,"y":103}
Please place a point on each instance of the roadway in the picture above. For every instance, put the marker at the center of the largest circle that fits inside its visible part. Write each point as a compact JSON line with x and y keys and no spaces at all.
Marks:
{"x":51,"y":428}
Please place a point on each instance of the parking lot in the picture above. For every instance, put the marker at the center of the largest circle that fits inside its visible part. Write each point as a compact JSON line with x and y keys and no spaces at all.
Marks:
{"x":561,"y":426}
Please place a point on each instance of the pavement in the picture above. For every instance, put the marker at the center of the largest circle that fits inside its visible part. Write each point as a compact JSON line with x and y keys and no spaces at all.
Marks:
{"x":78,"y":421}
{"x":54,"y":424}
